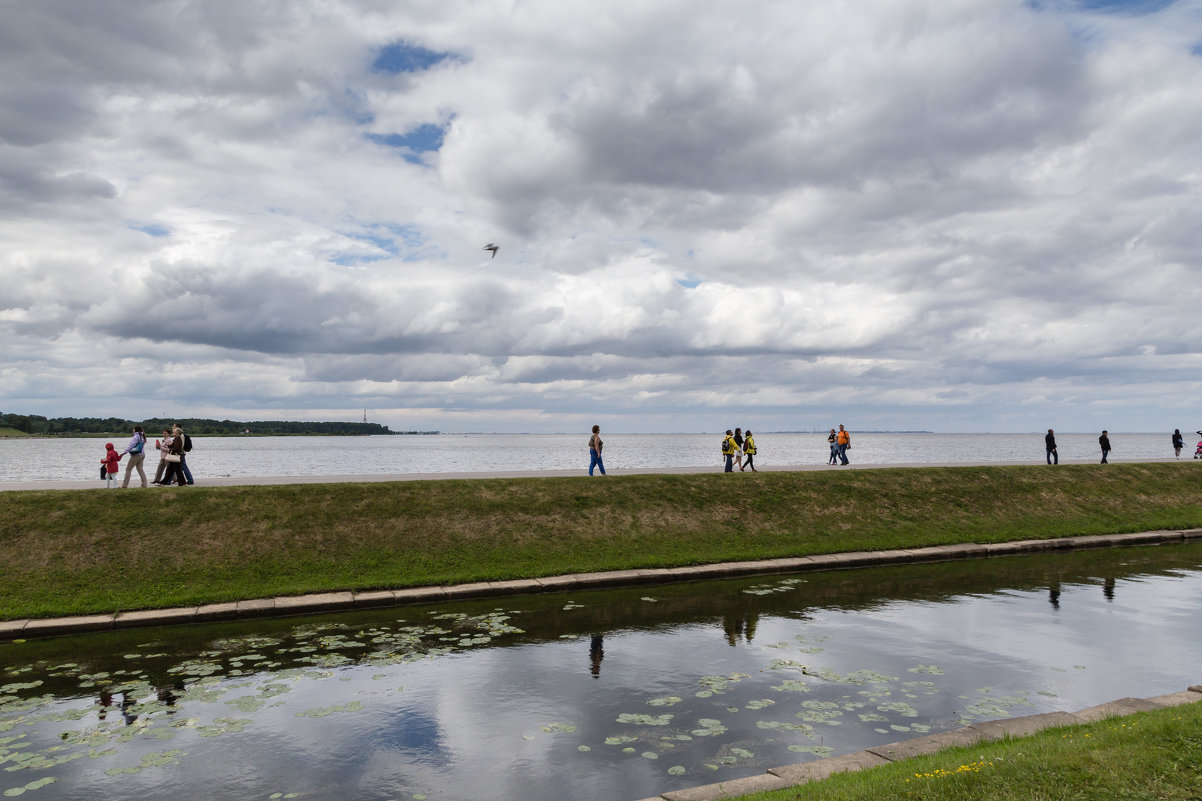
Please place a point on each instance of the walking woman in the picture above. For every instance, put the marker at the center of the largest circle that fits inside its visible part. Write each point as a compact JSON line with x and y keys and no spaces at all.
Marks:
{"x":832,"y":440}
{"x":594,"y":449}
{"x":1178,"y":442}
{"x":137,"y":454}
{"x":749,"y":451}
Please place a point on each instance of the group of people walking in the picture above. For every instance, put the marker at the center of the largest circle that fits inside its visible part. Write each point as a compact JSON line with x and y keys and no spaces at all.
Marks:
{"x":840,"y":442}
{"x":173,"y":463}
{"x":735,"y":447}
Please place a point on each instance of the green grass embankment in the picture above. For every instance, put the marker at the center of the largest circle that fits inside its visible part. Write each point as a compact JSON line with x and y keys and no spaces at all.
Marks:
{"x":1150,"y":755}
{"x":74,"y":552}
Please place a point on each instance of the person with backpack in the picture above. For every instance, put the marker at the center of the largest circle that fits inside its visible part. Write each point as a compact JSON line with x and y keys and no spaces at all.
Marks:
{"x":137,"y":455}
{"x":183,"y":458}
{"x":729,"y":449}
{"x":749,"y":450}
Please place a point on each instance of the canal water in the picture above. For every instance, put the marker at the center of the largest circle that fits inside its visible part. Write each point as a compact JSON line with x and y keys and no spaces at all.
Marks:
{"x":620,"y":694}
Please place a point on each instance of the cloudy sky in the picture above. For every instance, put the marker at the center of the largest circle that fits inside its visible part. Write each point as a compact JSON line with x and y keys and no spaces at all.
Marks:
{"x":950,"y":215}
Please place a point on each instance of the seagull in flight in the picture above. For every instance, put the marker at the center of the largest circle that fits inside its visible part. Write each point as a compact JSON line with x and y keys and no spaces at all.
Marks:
{"x":493,"y":248}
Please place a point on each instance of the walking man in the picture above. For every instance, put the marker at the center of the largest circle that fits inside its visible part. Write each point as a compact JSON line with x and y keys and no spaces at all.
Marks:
{"x":1049,"y":442}
{"x":843,"y":440}
{"x":1104,"y":441}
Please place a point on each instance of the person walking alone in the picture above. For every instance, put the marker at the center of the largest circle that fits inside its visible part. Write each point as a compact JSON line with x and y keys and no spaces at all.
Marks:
{"x":1049,"y":443}
{"x":1178,"y":442}
{"x":594,"y":450}
{"x":137,"y":454}
{"x":1104,"y":442}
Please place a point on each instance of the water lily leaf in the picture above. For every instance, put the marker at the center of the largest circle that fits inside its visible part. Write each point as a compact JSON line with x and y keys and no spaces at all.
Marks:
{"x":676,"y":770}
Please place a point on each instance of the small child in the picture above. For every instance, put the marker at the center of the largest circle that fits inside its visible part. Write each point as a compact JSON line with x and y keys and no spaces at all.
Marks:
{"x":111,"y":462}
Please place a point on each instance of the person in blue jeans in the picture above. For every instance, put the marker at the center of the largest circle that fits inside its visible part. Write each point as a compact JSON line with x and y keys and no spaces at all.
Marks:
{"x":594,"y":449}
{"x":183,"y":456}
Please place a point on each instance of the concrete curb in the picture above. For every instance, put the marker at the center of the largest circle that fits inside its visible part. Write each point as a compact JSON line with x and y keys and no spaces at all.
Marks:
{"x":338,"y":601}
{"x":818,"y":769}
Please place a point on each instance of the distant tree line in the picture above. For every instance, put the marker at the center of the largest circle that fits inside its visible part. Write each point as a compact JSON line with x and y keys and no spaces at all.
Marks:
{"x":67,"y":426}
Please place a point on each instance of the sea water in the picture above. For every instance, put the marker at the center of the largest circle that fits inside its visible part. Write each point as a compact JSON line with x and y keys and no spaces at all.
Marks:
{"x":71,"y":459}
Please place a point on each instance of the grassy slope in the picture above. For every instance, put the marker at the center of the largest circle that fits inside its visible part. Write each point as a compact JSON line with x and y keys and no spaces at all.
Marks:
{"x":1151,"y":755}
{"x":69,"y":552}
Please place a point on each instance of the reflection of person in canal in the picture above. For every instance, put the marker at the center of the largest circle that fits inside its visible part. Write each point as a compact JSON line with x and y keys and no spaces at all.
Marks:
{"x":596,"y":652}
{"x":742,"y":625}
{"x":1054,"y":594}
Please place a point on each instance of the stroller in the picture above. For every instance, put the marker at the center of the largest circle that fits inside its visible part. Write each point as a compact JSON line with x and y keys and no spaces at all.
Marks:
{"x":1198,"y":451}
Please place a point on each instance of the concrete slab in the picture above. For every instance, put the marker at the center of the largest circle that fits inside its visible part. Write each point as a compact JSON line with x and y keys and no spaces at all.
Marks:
{"x":757,"y":567}
{"x":262,"y":607}
{"x":316,"y":602}
{"x":155,"y":617}
{"x":67,"y":625}
{"x":227,"y":611}
{"x":374,"y":598}
{"x":420,"y":595}
{"x":1020,"y":727}
{"x":1176,"y":699}
{"x":612,"y":578}
{"x":1143,"y":537}
{"x":730,"y":789}
{"x":478,"y":589}
{"x":1191,"y":533}
{"x":515,"y":587}
{"x":819,"y":769}
{"x":557,"y":583}
{"x":946,"y":553}
{"x":844,"y":560}
{"x":1123,"y":706}
{"x":11,"y":629}
{"x":931,"y":744}
{"x":1055,"y":544}
{"x":1099,"y":541}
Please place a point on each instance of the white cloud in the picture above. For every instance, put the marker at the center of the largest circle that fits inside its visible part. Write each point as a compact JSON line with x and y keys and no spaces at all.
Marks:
{"x":956,"y":216}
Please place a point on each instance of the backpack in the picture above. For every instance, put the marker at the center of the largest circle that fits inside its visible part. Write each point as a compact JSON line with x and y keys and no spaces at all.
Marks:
{"x":187,"y":444}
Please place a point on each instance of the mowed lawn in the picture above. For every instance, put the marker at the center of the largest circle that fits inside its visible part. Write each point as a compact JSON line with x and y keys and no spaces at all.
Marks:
{"x":73,"y":552}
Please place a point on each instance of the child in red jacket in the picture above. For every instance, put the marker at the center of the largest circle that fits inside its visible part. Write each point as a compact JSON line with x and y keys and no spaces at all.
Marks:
{"x":111,"y":462}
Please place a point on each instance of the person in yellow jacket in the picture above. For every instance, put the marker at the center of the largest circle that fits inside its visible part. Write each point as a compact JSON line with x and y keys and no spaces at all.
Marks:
{"x":843,"y":440}
{"x":729,"y":449}
{"x":749,"y":451}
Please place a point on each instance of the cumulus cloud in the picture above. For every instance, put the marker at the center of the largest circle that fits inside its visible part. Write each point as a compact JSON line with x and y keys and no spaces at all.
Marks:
{"x":953,"y":216}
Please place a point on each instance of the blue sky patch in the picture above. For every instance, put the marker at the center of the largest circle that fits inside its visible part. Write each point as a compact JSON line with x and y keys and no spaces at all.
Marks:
{"x":151,"y":229}
{"x":1132,"y":7}
{"x":401,"y":56}
{"x":393,"y":240}
{"x":690,"y":281}
{"x":422,"y":139}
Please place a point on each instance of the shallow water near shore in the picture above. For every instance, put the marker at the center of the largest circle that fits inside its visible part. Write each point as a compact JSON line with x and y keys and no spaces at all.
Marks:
{"x":79,"y":459}
{"x":619,"y":694}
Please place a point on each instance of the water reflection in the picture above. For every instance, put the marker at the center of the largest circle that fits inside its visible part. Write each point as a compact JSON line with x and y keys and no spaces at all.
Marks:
{"x":494,"y":699}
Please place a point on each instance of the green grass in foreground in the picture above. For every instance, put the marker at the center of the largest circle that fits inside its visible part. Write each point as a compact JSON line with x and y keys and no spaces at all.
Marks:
{"x":74,"y":552}
{"x":1151,"y":755}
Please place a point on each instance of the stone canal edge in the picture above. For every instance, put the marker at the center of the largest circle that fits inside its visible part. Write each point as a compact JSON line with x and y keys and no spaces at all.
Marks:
{"x":773,"y":779}
{"x":340,"y":601}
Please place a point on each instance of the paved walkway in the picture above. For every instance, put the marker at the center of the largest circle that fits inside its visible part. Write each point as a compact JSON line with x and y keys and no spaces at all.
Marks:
{"x":234,"y":481}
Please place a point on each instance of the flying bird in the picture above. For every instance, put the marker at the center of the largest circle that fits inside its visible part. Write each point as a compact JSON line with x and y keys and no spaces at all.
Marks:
{"x":493,"y":248}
